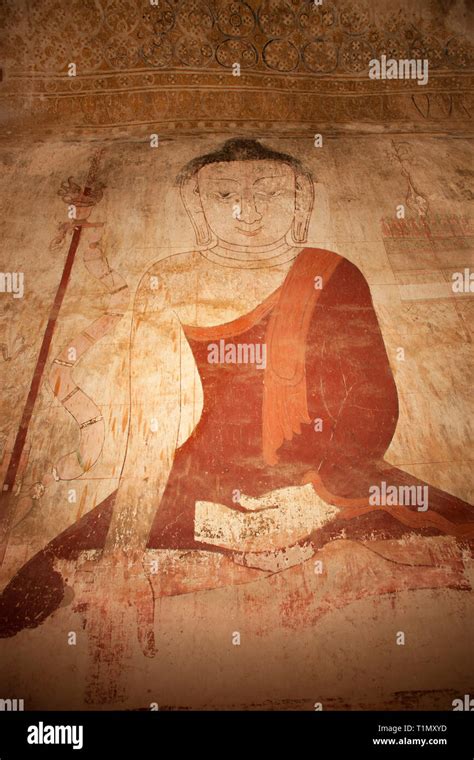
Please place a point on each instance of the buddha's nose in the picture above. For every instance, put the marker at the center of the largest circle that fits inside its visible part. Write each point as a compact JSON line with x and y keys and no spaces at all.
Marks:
{"x":248,"y":210}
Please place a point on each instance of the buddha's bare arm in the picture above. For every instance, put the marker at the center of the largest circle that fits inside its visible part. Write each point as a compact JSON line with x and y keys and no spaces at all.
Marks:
{"x":154,"y":422}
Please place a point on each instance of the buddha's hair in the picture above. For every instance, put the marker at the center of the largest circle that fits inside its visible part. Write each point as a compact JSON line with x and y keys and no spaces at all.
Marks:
{"x":238,"y":149}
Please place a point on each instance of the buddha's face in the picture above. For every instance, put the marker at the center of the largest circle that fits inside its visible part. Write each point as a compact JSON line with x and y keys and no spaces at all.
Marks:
{"x":248,"y":203}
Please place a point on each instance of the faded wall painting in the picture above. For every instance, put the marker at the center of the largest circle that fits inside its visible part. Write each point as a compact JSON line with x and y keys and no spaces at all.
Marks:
{"x":236,"y":358}
{"x":253,"y":487}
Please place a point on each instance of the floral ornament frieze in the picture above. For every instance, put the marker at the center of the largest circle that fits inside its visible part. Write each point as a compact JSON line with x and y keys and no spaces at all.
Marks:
{"x":279,"y":36}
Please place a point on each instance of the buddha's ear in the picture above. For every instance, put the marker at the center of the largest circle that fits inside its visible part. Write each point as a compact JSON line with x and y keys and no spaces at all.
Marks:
{"x":304,"y":200}
{"x":190,"y":195}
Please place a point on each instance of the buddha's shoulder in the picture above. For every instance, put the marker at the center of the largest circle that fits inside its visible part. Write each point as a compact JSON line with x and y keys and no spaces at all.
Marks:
{"x":168,"y":280}
{"x":174,"y":263}
{"x":314,"y":257}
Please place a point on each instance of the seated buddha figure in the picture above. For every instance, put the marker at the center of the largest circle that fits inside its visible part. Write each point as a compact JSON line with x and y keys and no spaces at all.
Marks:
{"x":294,"y":399}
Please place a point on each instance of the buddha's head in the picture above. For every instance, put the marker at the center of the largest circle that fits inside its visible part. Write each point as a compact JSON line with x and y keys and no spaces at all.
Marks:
{"x":247,"y":195}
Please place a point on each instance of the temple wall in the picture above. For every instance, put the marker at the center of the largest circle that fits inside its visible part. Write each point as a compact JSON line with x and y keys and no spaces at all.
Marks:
{"x":381,"y":149}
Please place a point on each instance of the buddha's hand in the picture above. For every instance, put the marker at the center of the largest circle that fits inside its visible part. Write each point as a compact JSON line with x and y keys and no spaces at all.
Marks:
{"x":118,"y":594}
{"x":258,"y":503}
{"x":273,"y":521}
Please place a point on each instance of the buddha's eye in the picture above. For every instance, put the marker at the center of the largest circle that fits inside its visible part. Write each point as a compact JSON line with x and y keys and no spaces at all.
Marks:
{"x":268,"y":194}
{"x":224,"y":195}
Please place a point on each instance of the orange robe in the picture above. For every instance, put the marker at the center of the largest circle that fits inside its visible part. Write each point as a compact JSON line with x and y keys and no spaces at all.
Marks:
{"x":326,"y":362}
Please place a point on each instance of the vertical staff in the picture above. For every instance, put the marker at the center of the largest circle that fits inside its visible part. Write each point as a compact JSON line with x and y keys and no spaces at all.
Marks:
{"x":7,"y":501}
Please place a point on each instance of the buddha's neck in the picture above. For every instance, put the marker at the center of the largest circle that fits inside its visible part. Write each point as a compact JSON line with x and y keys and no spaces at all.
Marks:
{"x":253,"y":254}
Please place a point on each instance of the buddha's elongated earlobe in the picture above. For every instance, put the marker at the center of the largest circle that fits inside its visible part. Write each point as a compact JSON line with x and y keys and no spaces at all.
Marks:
{"x":189,"y":190}
{"x":304,"y":199}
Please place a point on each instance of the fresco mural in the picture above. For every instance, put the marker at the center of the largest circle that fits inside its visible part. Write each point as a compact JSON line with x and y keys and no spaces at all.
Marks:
{"x":236,"y":361}
{"x":260,"y":404}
